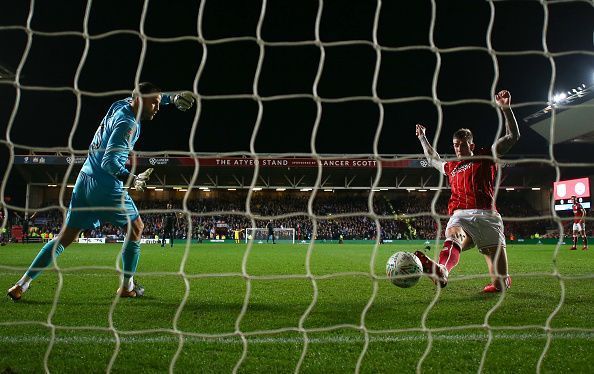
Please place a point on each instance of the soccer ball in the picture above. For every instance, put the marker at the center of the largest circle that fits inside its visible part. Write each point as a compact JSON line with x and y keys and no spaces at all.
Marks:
{"x":404,"y":269}
{"x":250,"y":237}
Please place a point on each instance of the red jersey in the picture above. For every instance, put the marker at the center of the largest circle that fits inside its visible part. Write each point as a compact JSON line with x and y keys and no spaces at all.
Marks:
{"x":578,"y":212}
{"x":472,"y":182}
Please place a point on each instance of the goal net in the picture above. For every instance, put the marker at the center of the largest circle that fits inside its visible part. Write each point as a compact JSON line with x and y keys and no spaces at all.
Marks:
{"x":260,"y":235}
{"x":333,"y":86}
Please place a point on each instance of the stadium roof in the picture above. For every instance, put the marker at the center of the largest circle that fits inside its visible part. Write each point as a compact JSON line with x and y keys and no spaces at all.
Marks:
{"x":574,"y":118}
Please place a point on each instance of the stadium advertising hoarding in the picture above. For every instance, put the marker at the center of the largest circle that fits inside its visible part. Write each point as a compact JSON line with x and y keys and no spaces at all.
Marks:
{"x":564,"y":190}
{"x":235,"y":162}
{"x":104,"y":240}
{"x":91,"y":240}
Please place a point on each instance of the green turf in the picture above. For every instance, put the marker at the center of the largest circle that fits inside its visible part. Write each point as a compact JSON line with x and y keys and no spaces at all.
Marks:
{"x":275,"y":321}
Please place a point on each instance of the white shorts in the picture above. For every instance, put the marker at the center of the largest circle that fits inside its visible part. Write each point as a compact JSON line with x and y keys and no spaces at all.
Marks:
{"x":485,"y":227}
{"x":579,"y":227}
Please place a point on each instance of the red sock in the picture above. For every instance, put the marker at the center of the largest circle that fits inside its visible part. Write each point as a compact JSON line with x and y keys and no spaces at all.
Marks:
{"x":585,"y":240}
{"x":575,"y":241}
{"x":449,"y":255}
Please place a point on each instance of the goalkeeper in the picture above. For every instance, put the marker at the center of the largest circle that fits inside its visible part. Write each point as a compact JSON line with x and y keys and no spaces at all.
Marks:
{"x":100,"y":183}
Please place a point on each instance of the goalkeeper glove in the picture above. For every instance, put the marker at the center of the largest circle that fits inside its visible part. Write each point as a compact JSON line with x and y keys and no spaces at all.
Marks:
{"x":183,"y":101}
{"x":141,"y":179}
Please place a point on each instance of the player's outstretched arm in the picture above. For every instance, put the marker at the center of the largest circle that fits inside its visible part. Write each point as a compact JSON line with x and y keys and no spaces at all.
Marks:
{"x":432,"y":156}
{"x":512,"y":131}
{"x":182,"y":101}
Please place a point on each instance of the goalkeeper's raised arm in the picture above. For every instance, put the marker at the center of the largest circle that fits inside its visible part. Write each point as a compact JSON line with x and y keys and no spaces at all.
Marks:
{"x":116,"y":135}
{"x":120,"y":129}
{"x":432,"y":156}
{"x":182,"y":101}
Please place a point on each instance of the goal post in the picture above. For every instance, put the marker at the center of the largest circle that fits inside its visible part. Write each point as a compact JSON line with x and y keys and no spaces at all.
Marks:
{"x":260,"y":234}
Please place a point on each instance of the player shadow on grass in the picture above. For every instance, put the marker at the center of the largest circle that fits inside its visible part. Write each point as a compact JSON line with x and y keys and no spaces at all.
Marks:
{"x":516,"y":296}
{"x":31,"y":302}
{"x":236,"y":306}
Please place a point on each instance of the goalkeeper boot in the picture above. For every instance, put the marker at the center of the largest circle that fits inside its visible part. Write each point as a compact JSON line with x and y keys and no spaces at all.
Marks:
{"x":15,"y":292}
{"x":492,"y":288}
{"x":437,"y":272}
{"x":137,"y":291}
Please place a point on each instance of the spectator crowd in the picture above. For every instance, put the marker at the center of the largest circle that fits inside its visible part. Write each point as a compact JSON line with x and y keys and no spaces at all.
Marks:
{"x":339,"y":215}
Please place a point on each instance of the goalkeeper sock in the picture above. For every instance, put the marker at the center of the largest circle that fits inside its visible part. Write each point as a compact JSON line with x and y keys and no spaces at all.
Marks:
{"x":24,"y":282}
{"x":129,"y":284}
{"x":449,"y":255}
{"x":43,"y":259}
{"x":130,"y":256}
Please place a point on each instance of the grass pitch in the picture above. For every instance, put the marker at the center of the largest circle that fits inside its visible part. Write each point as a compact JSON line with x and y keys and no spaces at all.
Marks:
{"x":70,"y":322}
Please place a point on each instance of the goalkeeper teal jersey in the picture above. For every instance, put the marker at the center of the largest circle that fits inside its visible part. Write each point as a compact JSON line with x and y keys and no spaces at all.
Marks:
{"x":112,"y":143}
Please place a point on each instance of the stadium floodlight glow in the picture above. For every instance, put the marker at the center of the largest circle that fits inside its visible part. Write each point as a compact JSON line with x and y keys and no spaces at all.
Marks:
{"x":203,"y":188}
{"x":305,"y":189}
{"x":328,"y":190}
{"x":257,"y":189}
{"x":231,"y":189}
{"x":384,"y":189}
{"x":535,"y":188}
{"x":281,"y":189}
{"x":177,"y":188}
{"x":410,"y":189}
{"x":375,"y":190}
{"x":434,"y":189}
{"x":422,"y":190}
{"x":559,"y":97}
{"x":158,"y":189}
{"x":182,"y":190}
{"x":70,"y":186}
{"x":52,"y":185}
{"x":151,"y":187}
{"x":509,"y":189}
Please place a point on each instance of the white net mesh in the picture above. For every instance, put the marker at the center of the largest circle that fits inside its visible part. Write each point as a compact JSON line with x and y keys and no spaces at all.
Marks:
{"x":320,"y":102}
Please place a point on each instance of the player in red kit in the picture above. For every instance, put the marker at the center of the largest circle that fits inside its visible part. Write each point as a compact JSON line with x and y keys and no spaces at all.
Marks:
{"x":474,"y":219}
{"x":579,"y":225}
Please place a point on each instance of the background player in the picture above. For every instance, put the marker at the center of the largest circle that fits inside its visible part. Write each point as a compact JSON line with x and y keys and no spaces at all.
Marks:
{"x":474,"y":219}
{"x":169,"y":226}
{"x":100,"y":183}
{"x":579,"y":224}
{"x":237,"y":235}
{"x":270,"y":227}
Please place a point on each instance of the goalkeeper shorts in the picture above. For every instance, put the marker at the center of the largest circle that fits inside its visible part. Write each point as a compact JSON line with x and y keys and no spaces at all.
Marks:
{"x":93,"y":204}
{"x":485,"y":227}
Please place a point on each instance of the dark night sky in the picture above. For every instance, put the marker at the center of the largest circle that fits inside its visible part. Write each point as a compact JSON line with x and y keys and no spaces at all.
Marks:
{"x":45,"y":119}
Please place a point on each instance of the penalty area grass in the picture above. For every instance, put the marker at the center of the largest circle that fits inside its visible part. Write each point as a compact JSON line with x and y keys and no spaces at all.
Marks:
{"x":195,"y":316}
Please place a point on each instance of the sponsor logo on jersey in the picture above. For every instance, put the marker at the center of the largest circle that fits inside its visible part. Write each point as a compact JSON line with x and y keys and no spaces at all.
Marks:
{"x":461,"y":168}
